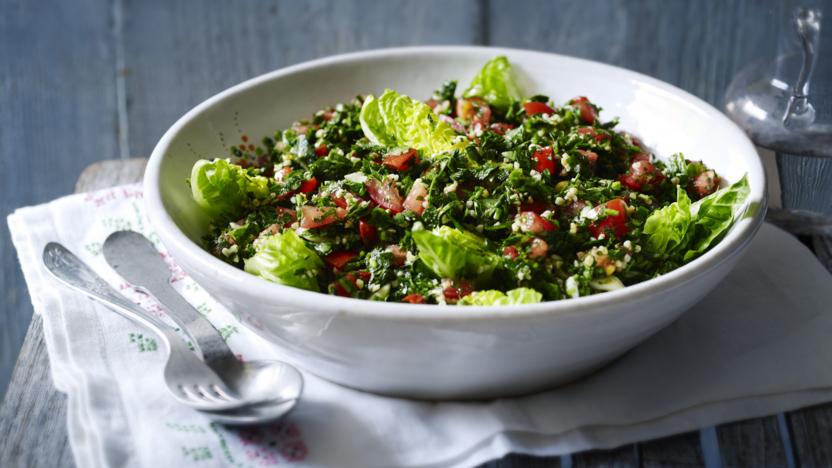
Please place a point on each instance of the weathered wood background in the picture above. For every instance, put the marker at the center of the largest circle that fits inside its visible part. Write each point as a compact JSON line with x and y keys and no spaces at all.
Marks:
{"x":87,"y":80}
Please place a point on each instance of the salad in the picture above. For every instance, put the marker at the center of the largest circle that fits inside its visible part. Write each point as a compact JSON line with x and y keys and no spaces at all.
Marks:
{"x":481,"y":197}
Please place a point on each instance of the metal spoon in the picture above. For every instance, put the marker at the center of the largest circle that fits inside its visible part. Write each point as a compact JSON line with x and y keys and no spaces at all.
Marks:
{"x":135,"y":258}
{"x":184,"y":369}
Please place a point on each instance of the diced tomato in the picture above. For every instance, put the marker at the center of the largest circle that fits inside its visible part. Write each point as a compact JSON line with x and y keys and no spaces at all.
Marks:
{"x":385,"y":194}
{"x":591,"y":131}
{"x":538,"y":206}
{"x":545,"y":160}
{"x":401,"y":162}
{"x":587,"y":112}
{"x":591,"y":157}
{"x":706,"y":183}
{"x":340,"y":202}
{"x":501,"y":128}
{"x":643,"y":175}
{"x":348,"y":284}
{"x":309,"y":186}
{"x":474,"y":110}
{"x":367,"y":231}
{"x":327,"y":115}
{"x":612,"y":224}
{"x":457,"y":290}
{"x":314,"y":217}
{"x":282,"y":173}
{"x":432,"y":103}
{"x":530,"y":221}
{"x":538,"y":248}
{"x":321,"y":151}
{"x":399,"y":255}
{"x":640,"y":157}
{"x":415,"y":200}
{"x":337,"y":260}
{"x":414,"y":299}
{"x":510,"y":252}
{"x":286,"y":212}
{"x":533,"y":108}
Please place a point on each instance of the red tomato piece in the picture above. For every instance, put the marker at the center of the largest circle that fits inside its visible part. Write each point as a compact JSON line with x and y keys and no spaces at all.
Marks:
{"x":545,"y":160}
{"x":309,"y":186}
{"x":416,"y":197}
{"x":538,"y":206}
{"x":414,"y":299}
{"x":640,"y":157}
{"x":399,"y":255}
{"x":367,"y":231}
{"x":530,"y":221}
{"x":337,"y":260}
{"x":591,"y":131}
{"x":457,"y":290}
{"x":538,"y":248}
{"x":643,"y":175}
{"x":401,"y":162}
{"x":615,"y":224}
{"x":706,"y":183}
{"x":314,"y":217}
{"x":587,"y":112}
{"x":349,"y":283}
{"x":385,"y":194}
{"x":510,"y":252}
{"x":533,"y":108}
{"x":321,"y":151}
{"x":591,"y":157}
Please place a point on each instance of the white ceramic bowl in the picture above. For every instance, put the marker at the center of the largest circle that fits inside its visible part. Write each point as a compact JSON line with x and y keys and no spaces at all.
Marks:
{"x":430,"y":351}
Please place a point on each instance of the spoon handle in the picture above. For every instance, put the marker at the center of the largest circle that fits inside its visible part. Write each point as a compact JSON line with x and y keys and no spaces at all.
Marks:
{"x":135,"y":258}
{"x":73,"y":272}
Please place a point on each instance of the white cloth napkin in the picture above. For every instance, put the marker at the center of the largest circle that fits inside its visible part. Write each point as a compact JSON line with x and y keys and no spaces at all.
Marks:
{"x":757,"y":345}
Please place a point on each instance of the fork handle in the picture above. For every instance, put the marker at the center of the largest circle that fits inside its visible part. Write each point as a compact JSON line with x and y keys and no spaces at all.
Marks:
{"x":71,"y":271}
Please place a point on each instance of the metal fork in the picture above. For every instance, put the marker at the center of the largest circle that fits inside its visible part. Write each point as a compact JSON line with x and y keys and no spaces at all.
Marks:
{"x":189,"y":380}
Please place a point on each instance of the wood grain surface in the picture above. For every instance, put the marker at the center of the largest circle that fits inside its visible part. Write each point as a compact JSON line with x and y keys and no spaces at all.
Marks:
{"x":89,"y":80}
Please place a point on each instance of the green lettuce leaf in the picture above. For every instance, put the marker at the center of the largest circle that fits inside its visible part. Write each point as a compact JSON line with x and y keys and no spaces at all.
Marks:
{"x":453,"y":253}
{"x":394,"y":119}
{"x":495,"y":83}
{"x":221,"y":188}
{"x":713,"y":216}
{"x":684,"y":230}
{"x":494,"y":297}
{"x":668,"y":227}
{"x":284,"y":258}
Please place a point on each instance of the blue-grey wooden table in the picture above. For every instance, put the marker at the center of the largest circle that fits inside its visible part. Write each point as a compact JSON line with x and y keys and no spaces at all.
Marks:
{"x":89,"y":80}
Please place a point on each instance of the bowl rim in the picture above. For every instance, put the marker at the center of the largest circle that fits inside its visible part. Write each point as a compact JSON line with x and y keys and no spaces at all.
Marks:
{"x":171,"y":235}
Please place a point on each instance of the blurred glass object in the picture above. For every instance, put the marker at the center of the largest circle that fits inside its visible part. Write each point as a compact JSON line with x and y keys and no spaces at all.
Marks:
{"x":784,"y":104}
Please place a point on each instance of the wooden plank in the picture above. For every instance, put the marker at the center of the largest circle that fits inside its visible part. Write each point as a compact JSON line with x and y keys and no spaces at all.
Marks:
{"x":178,"y":54}
{"x":57,"y":109}
{"x":623,"y":457}
{"x":812,"y":435}
{"x":33,"y":413}
{"x":30,"y":406}
{"x":754,"y":442}
{"x":524,"y":461}
{"x":674,"y":451}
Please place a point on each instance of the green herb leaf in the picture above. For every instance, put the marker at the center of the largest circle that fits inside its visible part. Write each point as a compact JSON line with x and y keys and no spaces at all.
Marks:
{"x":397,"y":120}
{"x":495,"y":297}
{"x":284,"y":258}
{"x":495,"y":83}
{"x":453,"y":253}
{"x":221,"y":188}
